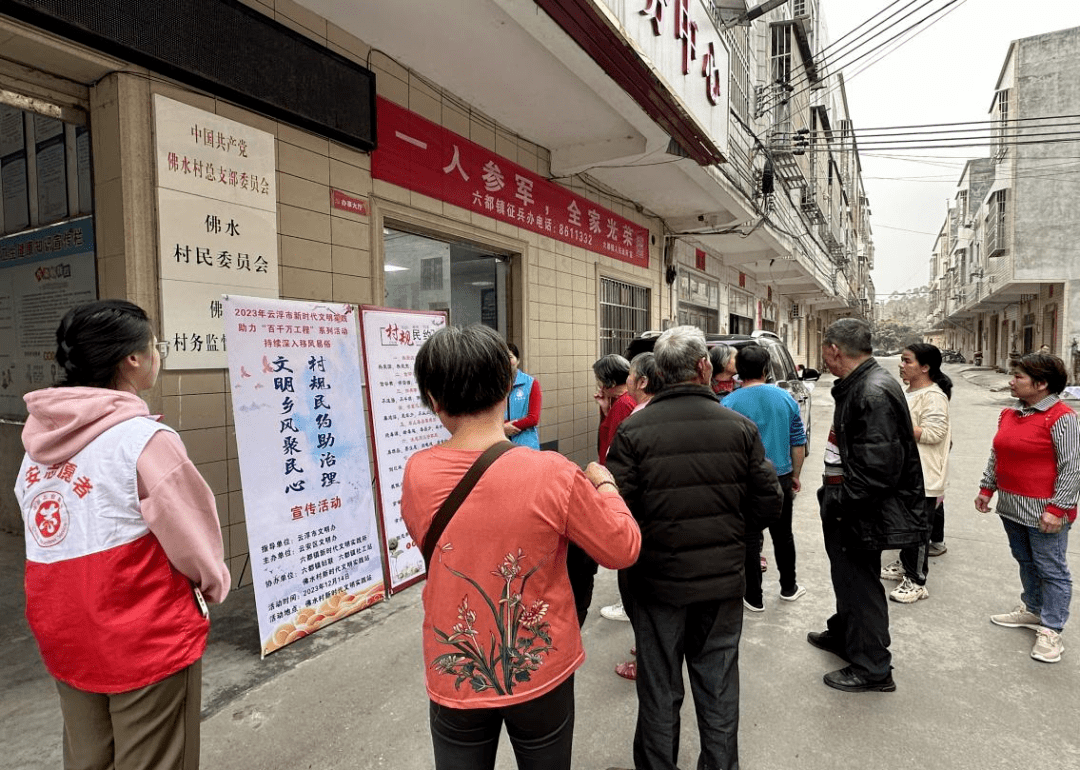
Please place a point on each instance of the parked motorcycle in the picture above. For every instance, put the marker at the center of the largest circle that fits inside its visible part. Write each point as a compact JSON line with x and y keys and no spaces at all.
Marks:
{"x":953,"y":357}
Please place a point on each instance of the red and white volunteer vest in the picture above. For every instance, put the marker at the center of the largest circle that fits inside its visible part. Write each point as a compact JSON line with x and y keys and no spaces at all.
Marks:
{"x":109,"y":611}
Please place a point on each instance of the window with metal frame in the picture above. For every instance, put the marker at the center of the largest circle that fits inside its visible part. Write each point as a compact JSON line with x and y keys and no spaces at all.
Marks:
{"x":780,"y":79}
{"x":999,"y":130}
{"x":624,"y":314}
{"x":738,"y":39}
{"x":996,"y":219}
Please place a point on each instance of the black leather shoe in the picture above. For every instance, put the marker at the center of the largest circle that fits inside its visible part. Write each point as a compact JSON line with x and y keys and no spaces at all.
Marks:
{"x":823,"y":640}
{"x":847,"y":680}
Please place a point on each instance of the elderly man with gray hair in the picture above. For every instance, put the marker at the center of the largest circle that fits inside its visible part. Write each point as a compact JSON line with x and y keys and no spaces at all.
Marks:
{"x":696,"y":479}
{"x":871,"y":499}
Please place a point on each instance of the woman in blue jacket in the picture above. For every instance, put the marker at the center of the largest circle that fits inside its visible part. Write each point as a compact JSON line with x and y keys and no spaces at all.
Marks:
{"x":522,"y":406}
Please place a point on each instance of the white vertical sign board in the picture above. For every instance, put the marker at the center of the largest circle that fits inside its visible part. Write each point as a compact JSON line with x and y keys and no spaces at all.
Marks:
{"x":217,"y":225}
{"x":300,"y":432}
{"x":401,"y":424}
{"x":684,"y":50}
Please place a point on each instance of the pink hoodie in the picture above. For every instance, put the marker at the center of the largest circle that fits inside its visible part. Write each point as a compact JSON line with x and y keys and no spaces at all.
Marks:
{"x":177,"y":504}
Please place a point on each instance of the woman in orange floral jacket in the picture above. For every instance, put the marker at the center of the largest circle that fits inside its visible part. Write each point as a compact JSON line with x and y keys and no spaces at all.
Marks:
{"x":500,"y":633}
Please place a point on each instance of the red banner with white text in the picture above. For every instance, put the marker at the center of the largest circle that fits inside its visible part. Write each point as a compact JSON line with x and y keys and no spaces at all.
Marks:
{"x":421,"y":156}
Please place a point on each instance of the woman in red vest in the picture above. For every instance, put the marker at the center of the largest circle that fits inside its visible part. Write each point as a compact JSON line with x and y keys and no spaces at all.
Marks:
{"x":1035,"y":469}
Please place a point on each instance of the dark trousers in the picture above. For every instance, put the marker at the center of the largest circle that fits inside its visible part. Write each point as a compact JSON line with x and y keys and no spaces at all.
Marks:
{"x":581,"y":569}
{"x":783,"y":549}
{"x":862,"y":611}
{"x":540,"y":730}
{"x":916,"y":558}
{"x":937,"y":524}
{"x":706,"y":635}
{"x":155,"y":726}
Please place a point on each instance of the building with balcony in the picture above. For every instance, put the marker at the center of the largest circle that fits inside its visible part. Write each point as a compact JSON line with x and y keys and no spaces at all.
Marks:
{"x":570,"y":172}
{"x":1005,"y":277}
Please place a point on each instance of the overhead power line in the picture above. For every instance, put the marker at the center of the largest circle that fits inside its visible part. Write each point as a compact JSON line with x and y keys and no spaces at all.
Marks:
{"x":802,"y":83}
{"x":890,"y":146}
{"x":851,"y":32}
{"x":1009,"y":122}
{"x":827,"y":63}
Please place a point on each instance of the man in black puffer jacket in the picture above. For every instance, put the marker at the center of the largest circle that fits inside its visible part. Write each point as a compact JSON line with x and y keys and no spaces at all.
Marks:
{"x":695,"y":476}
{"x":871,"y":499}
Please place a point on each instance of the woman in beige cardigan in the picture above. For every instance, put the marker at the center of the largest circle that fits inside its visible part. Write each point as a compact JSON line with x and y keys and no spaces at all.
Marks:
{"x":928,"y":393}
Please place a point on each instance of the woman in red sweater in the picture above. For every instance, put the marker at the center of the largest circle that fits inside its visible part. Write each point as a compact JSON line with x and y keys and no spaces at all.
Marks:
{"x":1035,"y":469}
{"x":500,"y":633}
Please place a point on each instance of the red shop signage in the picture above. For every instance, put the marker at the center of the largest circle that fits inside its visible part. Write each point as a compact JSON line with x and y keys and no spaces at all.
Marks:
{"x":421,"y":156}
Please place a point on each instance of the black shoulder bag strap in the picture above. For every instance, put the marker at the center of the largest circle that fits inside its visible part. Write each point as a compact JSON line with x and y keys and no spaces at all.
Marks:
{"x":457,"y":496}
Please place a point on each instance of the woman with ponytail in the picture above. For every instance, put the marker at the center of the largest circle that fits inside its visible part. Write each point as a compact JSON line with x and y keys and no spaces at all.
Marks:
{"x":123,"y":549}
{"x":928,"y":393}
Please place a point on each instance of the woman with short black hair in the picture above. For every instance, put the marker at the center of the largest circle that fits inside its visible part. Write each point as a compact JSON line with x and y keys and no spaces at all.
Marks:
{"x":1034,"y":467}
{"x":123,"y":543}
{"x":500,"y":635}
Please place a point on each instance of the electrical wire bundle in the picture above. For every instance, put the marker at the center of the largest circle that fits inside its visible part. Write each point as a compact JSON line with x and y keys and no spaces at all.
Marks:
{"x":1012,"y":132}
{"x":856,"y":46}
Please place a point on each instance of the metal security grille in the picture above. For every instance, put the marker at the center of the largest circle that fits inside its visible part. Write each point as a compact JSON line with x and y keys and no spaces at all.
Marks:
{"x":624,"y":314}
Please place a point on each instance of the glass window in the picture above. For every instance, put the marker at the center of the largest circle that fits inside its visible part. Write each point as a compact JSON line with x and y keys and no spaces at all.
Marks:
{"x":699,"y":300}
{"x":416,"y":267}
{"x":52,"y":153}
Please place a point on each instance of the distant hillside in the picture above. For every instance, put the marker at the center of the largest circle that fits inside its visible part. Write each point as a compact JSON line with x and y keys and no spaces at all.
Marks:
{"x":901,"y":318}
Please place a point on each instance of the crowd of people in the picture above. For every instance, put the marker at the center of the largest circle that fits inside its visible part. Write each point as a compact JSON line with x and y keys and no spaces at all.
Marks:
{"x":697,"y":456}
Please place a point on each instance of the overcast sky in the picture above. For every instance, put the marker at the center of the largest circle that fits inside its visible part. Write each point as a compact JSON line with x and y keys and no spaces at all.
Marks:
{"x":945,"y":74}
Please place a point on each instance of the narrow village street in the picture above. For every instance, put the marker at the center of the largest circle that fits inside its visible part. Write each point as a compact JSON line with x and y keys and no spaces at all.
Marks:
{"x":352,"y":696}
{"x":255,"y":222}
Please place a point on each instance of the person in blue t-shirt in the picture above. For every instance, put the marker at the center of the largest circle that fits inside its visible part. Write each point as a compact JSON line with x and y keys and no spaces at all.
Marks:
{"x":776,"y":414}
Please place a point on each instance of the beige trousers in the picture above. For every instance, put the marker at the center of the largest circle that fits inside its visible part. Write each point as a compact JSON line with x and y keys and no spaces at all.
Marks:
{"x":156,"y":726}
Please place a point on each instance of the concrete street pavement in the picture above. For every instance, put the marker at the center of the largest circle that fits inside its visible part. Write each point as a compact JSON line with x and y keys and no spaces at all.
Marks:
{"x":969,"y":696}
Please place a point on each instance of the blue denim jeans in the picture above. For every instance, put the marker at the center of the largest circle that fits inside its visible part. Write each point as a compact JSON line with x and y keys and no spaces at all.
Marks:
{"x":1044,"y":572}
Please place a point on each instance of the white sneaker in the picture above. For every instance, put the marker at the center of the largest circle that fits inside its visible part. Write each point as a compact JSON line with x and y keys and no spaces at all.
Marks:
{"x":909,"y":592}
{"x":614,"y":612}
{"x":794,"y":595}
{"x":894,"y":571}
{"x":1048,"y":646}
{"x":1018,"y":618}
